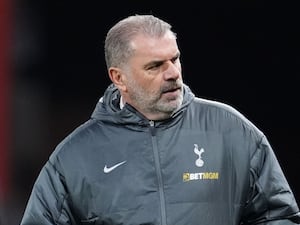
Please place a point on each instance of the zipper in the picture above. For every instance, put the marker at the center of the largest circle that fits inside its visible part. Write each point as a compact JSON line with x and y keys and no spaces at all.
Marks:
{"x":152,"y":127}
{"x":158,"y":173}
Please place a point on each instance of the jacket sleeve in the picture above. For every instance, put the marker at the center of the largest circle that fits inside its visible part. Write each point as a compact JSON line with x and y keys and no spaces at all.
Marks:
{"x":270,"y":201}
{"x":48,"y":202}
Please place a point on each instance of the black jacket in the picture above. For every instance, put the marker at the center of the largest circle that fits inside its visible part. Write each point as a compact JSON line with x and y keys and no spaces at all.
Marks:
{"x":205,"y":165}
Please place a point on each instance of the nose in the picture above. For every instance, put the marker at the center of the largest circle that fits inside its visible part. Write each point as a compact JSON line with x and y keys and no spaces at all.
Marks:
{"x":173,"y":71}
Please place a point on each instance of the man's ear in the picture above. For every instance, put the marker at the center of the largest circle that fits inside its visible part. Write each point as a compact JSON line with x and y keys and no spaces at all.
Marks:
{"x":117,"y":77}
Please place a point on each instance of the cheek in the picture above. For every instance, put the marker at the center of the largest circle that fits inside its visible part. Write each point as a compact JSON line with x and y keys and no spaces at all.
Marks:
{"x":149,"y":83}
{"x":151,"y":87}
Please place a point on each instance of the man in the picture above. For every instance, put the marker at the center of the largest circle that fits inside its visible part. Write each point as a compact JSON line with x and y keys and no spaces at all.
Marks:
{"x":153,"y":153}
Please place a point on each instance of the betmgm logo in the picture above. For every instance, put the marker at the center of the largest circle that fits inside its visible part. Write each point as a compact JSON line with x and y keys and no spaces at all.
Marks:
{"x":200,"y":176}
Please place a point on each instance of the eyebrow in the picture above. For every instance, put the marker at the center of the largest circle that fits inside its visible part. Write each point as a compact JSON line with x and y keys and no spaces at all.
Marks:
{"x":160,"y":62}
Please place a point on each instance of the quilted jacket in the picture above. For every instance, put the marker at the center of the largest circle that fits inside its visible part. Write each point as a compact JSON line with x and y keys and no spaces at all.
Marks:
{"x":206,"y":165}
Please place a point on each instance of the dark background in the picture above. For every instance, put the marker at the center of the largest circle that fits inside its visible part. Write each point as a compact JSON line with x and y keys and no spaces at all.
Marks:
{"x":245,"y":53}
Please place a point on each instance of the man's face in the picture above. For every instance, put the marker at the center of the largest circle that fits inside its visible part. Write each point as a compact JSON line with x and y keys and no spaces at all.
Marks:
{"x":153,"y":76}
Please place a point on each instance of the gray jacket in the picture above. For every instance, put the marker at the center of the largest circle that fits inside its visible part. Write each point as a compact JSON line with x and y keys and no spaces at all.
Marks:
{"x":205,"y":165}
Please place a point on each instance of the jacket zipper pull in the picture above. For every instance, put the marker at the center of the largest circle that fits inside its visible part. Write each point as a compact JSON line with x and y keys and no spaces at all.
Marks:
{"x":152,"y":127}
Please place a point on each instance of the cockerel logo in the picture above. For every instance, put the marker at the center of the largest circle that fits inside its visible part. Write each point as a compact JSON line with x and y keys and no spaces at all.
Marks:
{"x":199,"y":162}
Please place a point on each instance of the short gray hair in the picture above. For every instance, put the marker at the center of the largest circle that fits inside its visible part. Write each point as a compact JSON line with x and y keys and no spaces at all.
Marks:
{"x":117,"y":46}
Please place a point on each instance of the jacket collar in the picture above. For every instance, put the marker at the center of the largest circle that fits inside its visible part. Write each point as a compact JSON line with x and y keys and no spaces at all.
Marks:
{"x":108,"y":108}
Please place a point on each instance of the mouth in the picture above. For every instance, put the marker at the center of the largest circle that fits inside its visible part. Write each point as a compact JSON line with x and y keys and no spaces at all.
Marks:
{"x":171,"y":89}
{"x":172,"y":92}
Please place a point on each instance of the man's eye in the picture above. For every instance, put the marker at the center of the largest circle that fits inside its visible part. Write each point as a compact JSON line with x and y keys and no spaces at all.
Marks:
{"x":154,"y":66}
{"x":175,"y":59}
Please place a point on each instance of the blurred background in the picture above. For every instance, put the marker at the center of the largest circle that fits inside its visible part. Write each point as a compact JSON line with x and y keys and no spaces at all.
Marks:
{"x":52,"y":73}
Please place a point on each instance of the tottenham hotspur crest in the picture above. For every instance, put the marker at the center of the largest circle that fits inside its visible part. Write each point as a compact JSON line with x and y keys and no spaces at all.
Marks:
{"x":199,"y":162}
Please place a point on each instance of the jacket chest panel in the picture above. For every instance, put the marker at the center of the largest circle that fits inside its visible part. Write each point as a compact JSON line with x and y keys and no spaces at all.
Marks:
{"x":193,"y":167}
{"x":196,"y":166}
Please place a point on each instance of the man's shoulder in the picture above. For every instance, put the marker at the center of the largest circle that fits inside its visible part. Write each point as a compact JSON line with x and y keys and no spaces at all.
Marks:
{"x":224,"y":114}
{"x":216,"y":105}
